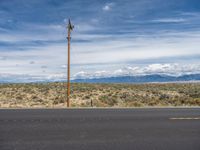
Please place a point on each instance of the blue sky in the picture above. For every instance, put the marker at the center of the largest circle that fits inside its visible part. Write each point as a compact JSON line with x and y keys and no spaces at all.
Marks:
{"x":110,"y":38}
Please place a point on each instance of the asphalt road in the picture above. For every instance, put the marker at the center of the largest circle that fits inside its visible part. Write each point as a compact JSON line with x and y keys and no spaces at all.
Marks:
{"x":100,"y":129}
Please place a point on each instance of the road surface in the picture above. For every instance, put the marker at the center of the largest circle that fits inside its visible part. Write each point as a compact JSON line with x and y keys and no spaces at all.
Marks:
{"x":100,"y":129}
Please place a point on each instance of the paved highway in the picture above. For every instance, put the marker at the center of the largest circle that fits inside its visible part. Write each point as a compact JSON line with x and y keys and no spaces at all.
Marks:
{"x":100,"y":129}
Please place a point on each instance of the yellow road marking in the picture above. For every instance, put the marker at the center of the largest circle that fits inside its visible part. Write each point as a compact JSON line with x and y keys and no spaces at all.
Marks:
{"x":185,"y":118}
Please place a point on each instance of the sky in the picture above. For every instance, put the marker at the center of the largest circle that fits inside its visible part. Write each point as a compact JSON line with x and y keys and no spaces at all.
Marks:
{"x":110,"y":38}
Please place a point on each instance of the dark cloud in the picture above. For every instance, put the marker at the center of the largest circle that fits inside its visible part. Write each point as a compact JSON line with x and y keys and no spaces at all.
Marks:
{"x":44,"y":67}
{"x":32,"y":62}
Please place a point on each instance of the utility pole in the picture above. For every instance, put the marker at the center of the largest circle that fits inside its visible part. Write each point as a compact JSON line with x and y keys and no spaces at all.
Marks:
{"x":69,"y":28}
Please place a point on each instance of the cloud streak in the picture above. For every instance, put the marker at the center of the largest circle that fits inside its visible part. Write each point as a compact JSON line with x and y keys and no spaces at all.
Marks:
{"x":170,"y":20}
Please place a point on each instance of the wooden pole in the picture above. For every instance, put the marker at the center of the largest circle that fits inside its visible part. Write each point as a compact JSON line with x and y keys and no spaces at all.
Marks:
{"x":70,"y":28}
{"x":68,"y":69}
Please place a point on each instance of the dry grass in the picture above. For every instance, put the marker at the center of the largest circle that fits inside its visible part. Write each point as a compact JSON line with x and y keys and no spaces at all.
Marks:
{"x":101,"y":95}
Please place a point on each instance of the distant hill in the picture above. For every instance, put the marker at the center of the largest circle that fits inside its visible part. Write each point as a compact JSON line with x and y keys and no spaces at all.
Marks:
{"x":142,"y":79}
{"x":119,"y":79}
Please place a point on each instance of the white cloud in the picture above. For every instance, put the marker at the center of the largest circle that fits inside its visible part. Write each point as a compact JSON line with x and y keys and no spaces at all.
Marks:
{"x":173,"y":69}
{"x":161,"y":68}
{"x":63,"y":66}
{"x":108,"y":6}
{"x":81,"y":75}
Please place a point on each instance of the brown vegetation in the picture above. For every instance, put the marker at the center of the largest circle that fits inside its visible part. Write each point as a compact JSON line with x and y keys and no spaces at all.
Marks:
{"x":101,"y":95}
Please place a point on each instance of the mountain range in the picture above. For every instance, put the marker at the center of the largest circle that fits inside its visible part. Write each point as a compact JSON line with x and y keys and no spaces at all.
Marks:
{"x":142,"y":79}
{"x":117,"y":79}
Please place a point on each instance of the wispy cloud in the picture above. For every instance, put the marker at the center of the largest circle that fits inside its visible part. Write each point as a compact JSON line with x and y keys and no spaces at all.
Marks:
{"x":110,"y":50}
{"x":18,"y":78}
{"x":170,"y":20}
